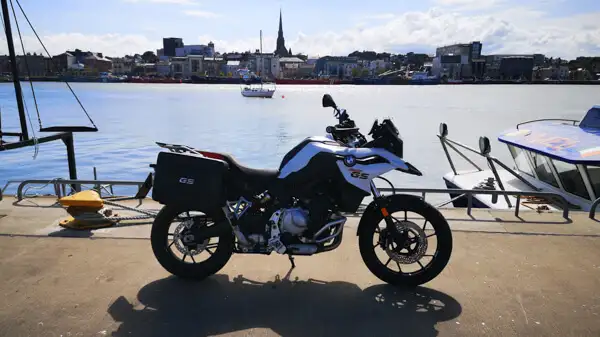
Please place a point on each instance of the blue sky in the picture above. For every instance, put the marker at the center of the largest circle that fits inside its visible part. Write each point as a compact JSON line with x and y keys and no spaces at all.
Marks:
{"x":115,"y":27}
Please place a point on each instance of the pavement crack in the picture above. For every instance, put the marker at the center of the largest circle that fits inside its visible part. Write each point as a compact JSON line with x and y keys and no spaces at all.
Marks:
{"x":522,"y":308}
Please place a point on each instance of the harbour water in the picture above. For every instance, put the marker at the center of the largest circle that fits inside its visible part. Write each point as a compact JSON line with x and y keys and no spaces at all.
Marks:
{"x":131,"y":117}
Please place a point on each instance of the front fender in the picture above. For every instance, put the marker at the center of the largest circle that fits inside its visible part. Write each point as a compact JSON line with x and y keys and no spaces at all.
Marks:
{"x":410,"y":169}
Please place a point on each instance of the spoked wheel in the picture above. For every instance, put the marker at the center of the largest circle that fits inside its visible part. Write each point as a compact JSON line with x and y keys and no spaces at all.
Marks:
{"x":414,"y":254}
{"x":177,"y":249}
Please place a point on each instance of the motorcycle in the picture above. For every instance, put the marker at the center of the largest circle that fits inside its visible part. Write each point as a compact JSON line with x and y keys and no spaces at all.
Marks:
{"x":297,"y":209}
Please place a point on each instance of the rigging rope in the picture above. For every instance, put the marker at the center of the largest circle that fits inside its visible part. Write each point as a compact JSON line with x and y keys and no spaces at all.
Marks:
{"x":50,"y":56}
{"x":35,"y":141}
{"x":26,"y":67}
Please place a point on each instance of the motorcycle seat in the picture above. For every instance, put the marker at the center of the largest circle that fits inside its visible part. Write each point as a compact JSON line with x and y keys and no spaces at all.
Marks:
{"x":258,"y":178}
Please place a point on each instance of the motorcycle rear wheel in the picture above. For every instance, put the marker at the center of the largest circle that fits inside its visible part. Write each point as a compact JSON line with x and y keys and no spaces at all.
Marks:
{"x":220,"y":252}
{"x":405,"y":203}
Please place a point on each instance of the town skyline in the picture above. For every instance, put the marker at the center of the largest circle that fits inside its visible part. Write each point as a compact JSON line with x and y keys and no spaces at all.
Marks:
{"x":420,"y":29}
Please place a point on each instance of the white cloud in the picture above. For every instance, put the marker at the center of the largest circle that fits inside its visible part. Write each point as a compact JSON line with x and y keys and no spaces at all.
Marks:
{"x":469,"y":4}
{"x":177,"y":2}
{"x":108,"y":44}
{"x":384,"y":16}
{"x":201,"y":14}
{"x":505,"y":30}
{"x":515,"y":30}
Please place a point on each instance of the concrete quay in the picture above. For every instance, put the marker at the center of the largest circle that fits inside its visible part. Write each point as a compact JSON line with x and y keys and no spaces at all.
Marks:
{"x":537,"y":275}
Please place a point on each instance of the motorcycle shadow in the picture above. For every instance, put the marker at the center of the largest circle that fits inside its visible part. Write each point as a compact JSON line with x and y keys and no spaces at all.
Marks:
{"x":175,"y":307}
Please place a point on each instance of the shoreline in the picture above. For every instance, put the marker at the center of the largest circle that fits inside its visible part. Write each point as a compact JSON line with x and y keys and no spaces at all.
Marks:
{"x":226,"y":80}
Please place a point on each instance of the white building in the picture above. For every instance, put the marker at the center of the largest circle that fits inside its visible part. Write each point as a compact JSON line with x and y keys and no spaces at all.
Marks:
{"x":265,"y":65}
{"x":199,"y":49}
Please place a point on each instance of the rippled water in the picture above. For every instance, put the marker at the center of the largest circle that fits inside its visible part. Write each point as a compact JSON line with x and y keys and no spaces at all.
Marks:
{"x":131,"y":117}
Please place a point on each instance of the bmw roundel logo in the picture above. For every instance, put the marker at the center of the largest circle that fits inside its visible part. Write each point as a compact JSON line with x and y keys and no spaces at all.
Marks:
{"x":349,"y":161}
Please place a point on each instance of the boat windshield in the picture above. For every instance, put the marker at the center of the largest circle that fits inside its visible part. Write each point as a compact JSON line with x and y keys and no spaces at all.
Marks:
{"x":594,"y":175}
{"x":521,"y":160}
{"x":571,"y":179}
{"x":541,"y":165}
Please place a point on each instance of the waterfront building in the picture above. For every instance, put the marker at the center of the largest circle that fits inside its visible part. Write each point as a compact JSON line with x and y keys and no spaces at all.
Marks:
{"x":170,"y":44}
{"x":163,"y":68}
{"x":458,"y":61}
{"x":97,"y":63}
{"x":335,"y":66}
{"x":179,"y":67}
{"x":62,"y":62}
{"x":199,"y":49}
{"x":122,"y":65}
{"x":493,"y":63}
{"x":265,"y":65}
{"x":290,"y":67}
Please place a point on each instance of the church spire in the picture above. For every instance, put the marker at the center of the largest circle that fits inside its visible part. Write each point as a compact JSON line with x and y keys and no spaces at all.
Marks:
{"x":280,"y":33}
{"x":280,"y":50}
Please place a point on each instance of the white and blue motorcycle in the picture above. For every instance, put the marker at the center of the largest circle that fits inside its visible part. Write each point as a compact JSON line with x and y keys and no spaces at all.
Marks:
{"x":215,"y":205}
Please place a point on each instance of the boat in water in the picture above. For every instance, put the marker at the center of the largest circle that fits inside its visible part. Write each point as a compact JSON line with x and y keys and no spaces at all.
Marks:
{"x":264,"y":90}
{"x":423,"y":78}
{"x":557,"y":156}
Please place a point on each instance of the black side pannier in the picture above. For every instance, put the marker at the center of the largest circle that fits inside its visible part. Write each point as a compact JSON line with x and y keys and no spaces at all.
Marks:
{"x":190,"y":181}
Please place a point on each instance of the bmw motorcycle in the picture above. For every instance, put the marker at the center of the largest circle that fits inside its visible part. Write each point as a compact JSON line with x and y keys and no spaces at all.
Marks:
{"x":215,"y":205}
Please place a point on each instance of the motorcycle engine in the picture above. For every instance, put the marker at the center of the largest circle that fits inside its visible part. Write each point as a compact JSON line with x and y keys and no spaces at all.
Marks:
{"x":294,"y":221}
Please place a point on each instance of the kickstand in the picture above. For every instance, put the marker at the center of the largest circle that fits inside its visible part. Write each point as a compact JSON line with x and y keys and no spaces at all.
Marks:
{"x":292,"y":261}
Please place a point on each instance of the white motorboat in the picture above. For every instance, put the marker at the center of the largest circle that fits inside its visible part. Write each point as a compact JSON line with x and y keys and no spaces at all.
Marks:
{"x":550,"y":155}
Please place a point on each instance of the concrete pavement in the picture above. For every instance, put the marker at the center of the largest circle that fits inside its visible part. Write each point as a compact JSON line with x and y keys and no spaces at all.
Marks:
{"x":534,"y":276}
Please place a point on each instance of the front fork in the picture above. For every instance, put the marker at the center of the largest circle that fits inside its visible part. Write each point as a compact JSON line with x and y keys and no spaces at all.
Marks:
{"x":381,"y":204}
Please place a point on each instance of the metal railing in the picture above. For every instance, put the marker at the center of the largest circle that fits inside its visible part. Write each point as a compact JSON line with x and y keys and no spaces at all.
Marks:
{"x":494,"y":193}
{"x":60,"y":185}
{"x":485,"y":148}
{"x":574,"y":121}
{"x":595,"y":205}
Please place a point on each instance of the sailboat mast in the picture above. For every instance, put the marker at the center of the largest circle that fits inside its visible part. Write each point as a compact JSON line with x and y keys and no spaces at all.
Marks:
{"x":15,"y":70}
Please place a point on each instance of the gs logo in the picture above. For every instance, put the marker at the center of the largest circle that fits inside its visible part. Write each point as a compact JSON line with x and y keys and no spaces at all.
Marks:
{"x":358,"y":174}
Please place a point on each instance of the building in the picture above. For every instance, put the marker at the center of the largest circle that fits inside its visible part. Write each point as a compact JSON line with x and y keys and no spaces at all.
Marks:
{"x":194,"y":66}
{"x":552,"y":73}
{"x":516,"y":67}
{"x":180,"y":67}
{"x":97,"y":63}
{"x":265,"y":65}
{"x":336,"y":66}
{"x":62,"y":62}
{"x":170,"y":44}
{"x":214,"y":66}
{"x":447,"y":64}
{"x":32,"y":65}
{"x":163,"y":68}
{"x":122,"y":65}
{"x":281,"y":50}
{"x":376,"y":67}
{"x":472,"y":50}
{"x":199,"y":49}
{"x":290,"y":67}
{"x":231,"y":68}
{"x":493,"y":62}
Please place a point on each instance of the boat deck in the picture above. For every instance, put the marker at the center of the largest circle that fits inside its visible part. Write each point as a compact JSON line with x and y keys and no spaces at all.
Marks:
{"x":537,"y":275}
{"x":470,"y":179}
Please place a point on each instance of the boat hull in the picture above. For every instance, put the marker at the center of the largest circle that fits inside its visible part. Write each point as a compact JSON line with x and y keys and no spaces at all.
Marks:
{"x":260,"y":94}
{"x":462,"y":202}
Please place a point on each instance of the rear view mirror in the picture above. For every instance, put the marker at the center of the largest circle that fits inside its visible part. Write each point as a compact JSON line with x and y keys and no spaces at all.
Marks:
{"x":328,"y":102}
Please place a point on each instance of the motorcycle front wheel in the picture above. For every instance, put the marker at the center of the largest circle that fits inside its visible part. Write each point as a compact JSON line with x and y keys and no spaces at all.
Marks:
{"x":409,"y":257}
{"x":176,"y":249}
